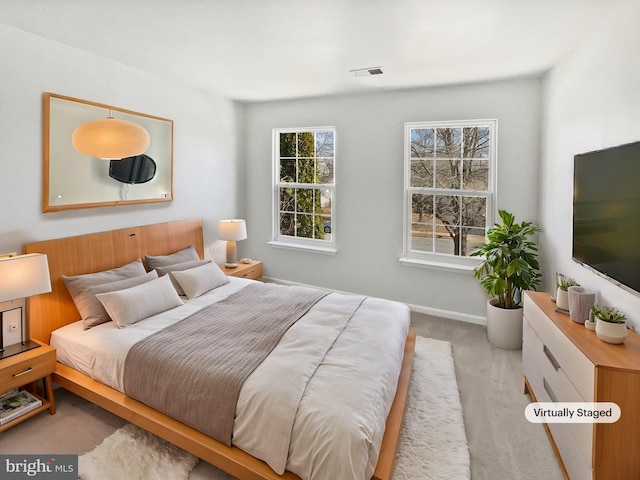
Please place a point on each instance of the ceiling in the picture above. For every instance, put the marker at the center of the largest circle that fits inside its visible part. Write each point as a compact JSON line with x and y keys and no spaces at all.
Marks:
{"x":258,"y":50}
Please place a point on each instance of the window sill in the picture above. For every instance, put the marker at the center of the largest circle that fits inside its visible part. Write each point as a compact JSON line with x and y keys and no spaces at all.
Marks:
{"x":298,"y":246}
{"x":440,"y":264}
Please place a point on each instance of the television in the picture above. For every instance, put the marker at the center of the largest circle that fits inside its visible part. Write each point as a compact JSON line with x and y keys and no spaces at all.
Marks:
{"x":606,"y":213}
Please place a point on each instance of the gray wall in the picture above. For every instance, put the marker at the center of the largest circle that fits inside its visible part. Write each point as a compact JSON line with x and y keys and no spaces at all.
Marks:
{"x":369,"y":173}
{"x":206,"y":159}
{"x":591,"y":101}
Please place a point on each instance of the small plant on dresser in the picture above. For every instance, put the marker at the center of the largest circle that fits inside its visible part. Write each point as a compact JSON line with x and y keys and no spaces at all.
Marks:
{"x":562,"y":295}
{"x":611,"y":324}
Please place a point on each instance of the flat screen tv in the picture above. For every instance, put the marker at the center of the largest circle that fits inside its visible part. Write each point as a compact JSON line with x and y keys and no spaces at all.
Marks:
{"x":606,"y":213}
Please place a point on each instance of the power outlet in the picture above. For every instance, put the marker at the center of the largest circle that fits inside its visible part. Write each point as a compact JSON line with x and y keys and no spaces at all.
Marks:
{"x":217,"y":249}
{"x":13,"y":327}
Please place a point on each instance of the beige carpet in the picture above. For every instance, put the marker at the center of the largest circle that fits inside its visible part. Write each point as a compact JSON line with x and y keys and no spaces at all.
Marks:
{"x":433,"y":444}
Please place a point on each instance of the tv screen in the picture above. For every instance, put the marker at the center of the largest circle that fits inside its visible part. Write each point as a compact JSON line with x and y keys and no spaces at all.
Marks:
{"x":606,"y":213}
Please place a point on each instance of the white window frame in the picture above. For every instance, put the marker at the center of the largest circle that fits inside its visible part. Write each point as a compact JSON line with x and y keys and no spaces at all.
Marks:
{"x":285,"y":241}
{"x":442,"y":260}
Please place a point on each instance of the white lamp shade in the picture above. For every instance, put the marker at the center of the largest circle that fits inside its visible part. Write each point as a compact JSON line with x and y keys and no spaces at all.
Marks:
{"x":110,"y":138}
{"x":232,"y":230}
{"x":24,"y":276}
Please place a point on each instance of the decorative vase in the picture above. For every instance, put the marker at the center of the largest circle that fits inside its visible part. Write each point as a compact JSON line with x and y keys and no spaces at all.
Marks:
{"x":562,"y":299}
{"x":504,"y":326}
{"x":590,"y":325}
{"x":611,"y":332}
{"x":580,"y":303}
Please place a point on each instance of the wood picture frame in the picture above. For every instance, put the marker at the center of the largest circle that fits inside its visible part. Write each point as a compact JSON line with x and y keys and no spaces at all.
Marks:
{"x":72,"y":180}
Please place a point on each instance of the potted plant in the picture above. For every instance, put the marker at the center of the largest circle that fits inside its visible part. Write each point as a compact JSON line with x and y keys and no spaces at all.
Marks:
{"x":611,"y":325}
{"x":509,"y":266}
{"x":562,"y":295}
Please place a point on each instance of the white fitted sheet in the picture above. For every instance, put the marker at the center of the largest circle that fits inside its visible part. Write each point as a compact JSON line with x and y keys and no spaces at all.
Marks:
{"x":338,"y":404}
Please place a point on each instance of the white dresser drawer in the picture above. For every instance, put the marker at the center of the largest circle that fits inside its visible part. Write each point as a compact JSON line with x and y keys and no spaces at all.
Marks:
{"x":574,"y":462}
{"x":551,"y":384}
{"x":571,"y":360}
{"x":561,"y":389}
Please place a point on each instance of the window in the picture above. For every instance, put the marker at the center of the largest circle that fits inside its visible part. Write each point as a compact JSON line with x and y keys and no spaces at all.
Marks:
{"x":304,"y":188}
{"x":449,"y":190}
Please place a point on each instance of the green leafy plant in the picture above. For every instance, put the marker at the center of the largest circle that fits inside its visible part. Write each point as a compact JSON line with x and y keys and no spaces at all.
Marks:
{"x":510,"y":262}
{"x":608,"y":314}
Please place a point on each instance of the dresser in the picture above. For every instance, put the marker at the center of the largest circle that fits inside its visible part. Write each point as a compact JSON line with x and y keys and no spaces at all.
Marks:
{"x":564,"y":362}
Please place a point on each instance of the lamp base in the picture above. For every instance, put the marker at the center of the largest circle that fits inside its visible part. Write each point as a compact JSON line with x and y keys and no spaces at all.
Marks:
{"x":231,"y":255}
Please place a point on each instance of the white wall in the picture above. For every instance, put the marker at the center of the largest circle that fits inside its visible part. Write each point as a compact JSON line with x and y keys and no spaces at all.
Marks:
{"x":369,"y":173}
{"x":206,"y":159}
{"x":591,"y":101}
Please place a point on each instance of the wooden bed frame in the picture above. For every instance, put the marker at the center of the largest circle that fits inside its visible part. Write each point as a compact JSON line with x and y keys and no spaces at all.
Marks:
{"x":101,"y":251}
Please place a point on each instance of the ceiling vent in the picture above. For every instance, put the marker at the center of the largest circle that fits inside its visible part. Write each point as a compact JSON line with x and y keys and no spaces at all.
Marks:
{"x":366,"y":72}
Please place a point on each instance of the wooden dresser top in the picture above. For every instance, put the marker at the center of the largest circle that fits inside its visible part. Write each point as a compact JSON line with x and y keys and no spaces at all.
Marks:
{"x":625,"y":356}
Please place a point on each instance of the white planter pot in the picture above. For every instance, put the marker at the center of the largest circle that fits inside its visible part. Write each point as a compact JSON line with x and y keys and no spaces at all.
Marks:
{"x":611,"y":332}
{"x":562,"y":299}
{"x":504,"y":326}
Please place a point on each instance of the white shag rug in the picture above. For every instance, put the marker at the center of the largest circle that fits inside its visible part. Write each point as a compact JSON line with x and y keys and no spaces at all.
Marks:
{"x":433,"y":443}
{"x":134,"y":454}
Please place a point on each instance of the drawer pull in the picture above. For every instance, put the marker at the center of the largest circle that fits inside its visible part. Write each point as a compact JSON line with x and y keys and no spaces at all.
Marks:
{"x":551,"y":358}
{"x":16,"y":375}
{"x":547,"y":388}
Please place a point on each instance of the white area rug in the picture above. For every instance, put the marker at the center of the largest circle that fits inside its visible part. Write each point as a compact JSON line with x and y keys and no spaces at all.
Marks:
{"x":134,"y":454}
{"x":433,"y":443}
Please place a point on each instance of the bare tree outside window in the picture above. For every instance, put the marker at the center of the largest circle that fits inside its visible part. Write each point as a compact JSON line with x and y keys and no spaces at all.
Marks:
{"x":449,"y":186}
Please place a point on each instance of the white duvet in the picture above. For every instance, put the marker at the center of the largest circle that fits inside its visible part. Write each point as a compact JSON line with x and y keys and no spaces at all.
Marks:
{"x":315,"y":407}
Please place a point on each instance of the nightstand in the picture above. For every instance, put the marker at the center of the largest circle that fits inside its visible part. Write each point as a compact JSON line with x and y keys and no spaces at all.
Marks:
{"x":251,"y":270}
{"x":24,"y":370}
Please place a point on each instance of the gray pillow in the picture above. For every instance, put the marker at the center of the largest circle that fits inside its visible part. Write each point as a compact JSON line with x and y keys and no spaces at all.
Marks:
{"x":79,"y":285}
{"x":94,"y":313}
{"x":179,"y":267}
{"x":184,"y":255}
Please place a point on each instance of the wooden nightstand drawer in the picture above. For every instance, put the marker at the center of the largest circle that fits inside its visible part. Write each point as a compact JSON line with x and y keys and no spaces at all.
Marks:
{"x":251,"y":270}
{"x":23,"y":370}
{"x":27,"y":367}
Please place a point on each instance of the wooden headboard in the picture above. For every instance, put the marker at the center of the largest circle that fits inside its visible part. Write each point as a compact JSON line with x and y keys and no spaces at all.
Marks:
{"x":94,"y":252}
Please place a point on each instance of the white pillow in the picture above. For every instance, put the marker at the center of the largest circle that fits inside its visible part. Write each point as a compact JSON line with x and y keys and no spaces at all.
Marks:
{"x":128,"y":306}
{"x":94,"y":313}
{"x":199,"y":280}
{"x":179,"y":267}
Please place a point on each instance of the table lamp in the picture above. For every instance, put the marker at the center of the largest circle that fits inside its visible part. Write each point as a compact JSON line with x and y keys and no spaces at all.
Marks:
{"x":232,"y":231}
{"x":21,"y":276}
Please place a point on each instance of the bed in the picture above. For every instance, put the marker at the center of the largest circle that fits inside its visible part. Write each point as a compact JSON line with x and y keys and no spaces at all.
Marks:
{"x":56,"y":312}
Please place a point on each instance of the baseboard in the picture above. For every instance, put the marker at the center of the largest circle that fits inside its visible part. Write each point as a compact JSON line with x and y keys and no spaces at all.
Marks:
{"x":436,"y":312}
